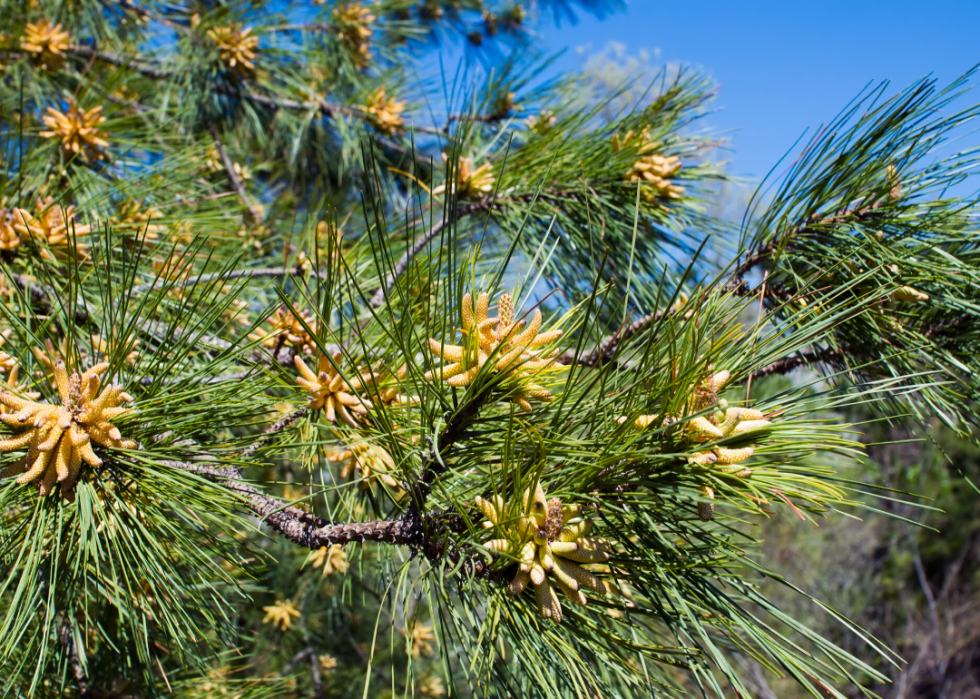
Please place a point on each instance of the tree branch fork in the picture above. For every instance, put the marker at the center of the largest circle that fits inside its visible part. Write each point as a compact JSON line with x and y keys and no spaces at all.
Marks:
{"x":428,"y":534}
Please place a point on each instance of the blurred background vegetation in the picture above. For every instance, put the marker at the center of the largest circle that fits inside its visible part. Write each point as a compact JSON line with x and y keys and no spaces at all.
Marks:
{"x":909,"y":575}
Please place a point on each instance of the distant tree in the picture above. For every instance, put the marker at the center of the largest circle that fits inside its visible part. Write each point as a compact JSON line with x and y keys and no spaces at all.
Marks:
{"x":324,"y":376}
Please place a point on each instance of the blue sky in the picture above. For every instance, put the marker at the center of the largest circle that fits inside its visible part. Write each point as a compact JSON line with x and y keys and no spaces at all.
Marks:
{"x":785,"y":66}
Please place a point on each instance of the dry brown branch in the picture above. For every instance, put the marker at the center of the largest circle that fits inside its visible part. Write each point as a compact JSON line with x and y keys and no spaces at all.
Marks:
{"x":379,"y":296}
{"x":236,"y":181}
{"x":805,"y":358}
{"x":81,"y":679}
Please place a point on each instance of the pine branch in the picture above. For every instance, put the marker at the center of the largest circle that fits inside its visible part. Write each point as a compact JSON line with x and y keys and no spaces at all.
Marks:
{"x":421,"y":534}
{"x":297,"y":525}
{"x":81,"y":679}
{"x":607,"y":348}
{"x":809,"y":224}
{"x":788,"y":364}
{"x":817,"y":240}
{"x":147,"y":14}
{"x":278,"y":426}
{"x":42,"y":295}
{"x":236,"y":181}
{"x":315,"y":671}
{"x":299,"y":657}
{"x":134,"y":62}
{"x":227,"y":276}
{"x":379,"y":296}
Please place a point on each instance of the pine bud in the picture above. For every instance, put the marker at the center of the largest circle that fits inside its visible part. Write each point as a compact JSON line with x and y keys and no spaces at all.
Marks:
{"x":706,"y":510}
{"x":907,"y":293}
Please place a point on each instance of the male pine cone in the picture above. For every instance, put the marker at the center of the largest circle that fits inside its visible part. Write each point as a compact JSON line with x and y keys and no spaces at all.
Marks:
{"x":549,"y":547}
{"x":520,"y":354}
{"x":59,"y":437}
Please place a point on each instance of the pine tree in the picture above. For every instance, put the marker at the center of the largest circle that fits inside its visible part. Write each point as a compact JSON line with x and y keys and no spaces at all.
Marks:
{"x":329,"y":372}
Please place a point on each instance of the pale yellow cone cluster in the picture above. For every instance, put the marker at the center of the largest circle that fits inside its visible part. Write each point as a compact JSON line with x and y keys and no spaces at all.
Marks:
{"x":423,"y":640}
{"x":729,"y":422}
{"x":286,"y":329}
{"x":106,"y":349}
{"x":541,"y":123}
{"x":59,"y":438}
{"x":332,"y":559}
{"x":236,"y":48}
{"x":78,"y":130}
{"x":549,"y":541}
{"x":12,"y":383}
{"x":469,"y":183}
{"x":353,"y":22}
{"x":726,"y":422}
{"x":373,"y":462}
{"x":329,"y":391}
{"x":49,"y":225}
{"x":281,"y":614}
{"x":9,"y":239}
{"x":7,"y":362}
{"x":133,"y":220}
{"x":213,"y":162}
{"x":384,"y":112}
{"x":518,"y":353}
{"x":732,"y":422}
{"x":46,"y":43}
{"x":655,"y":171}
{"x":432,"y":686}
{"x":389,"y":389}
